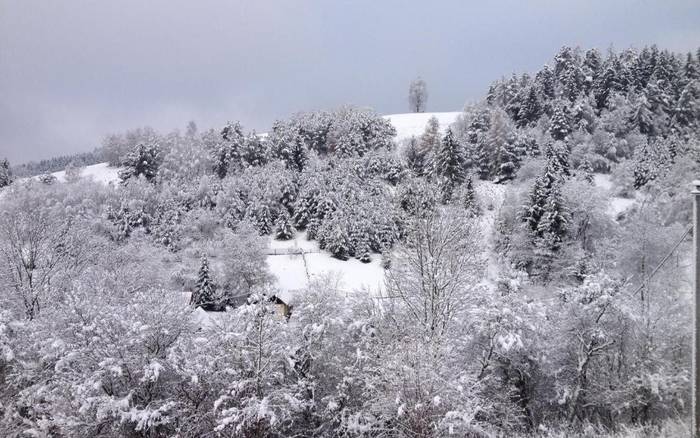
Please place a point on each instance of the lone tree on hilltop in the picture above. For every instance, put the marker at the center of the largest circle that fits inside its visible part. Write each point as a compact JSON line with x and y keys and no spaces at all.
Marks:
{"x":418,"y":95}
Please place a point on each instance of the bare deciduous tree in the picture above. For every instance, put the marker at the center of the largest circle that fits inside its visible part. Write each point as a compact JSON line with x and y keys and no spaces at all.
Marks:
{"x":433,"y":273}
{"x":39,"y":242}
{"x":417,"y":95}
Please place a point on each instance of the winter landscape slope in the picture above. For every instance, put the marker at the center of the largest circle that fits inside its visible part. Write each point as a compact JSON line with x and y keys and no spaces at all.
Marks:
{"x":413,"y":124}
{"x":298,"y":262}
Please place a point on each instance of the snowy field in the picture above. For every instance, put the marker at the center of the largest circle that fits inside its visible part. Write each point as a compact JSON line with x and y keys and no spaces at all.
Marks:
{"x":413,"y":124}
{"x":100,"y":172}
{"x":294,"y":272}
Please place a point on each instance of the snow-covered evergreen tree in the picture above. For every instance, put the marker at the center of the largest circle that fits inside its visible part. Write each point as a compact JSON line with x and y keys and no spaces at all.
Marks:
{"x":538,"y":204}
{"x":226,"y":151}
{"x":253,"y":151}
{"x":283,"y":227}
{"x":642,"y":118}
{"x":204,"y":293}
{"x":429,"y":145}
{"x":559,"y":125}
{"x":469,"y":201}
{"x":553,"y":225}
{"x":294,"y":153}
{"x":5,"y":173}
{"x":144,"y":161}
{"x":413,"y":156}
{"x":531,"y":109}
{"x":450,"y":161}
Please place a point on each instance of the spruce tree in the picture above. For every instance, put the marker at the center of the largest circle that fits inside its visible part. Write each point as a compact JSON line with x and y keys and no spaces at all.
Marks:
{"x":687,"y":111}
{"x":499,"y":138}
{"x":642,"y":118}
{"x":469,"y":198}
{"x":450,"y":160}
{"x":253,"y":151}
{"x":540,"y":193}
{"x":204,"y":293}
{"x":294,"y":154}
{"x":429,"y":145}
{"x":553,"y":225}
{"x":415,"y":157}
{"x":362,"y":247}
{"x":592,"y":63}
{"x":142,"y":161}
{"x":447,"y":188}
{"x":531,"y":110}
{"x":337,"y":241}
{"x":545,"y":80}
{"x":558,"y":153}
{"x":482,"y":159}
{"x":263,"y":219}
{"x":604,"y":85}
{"x":227,"y":151}
{"x":559,"y":126}
{"x":283,"y":228}
{"x":5,"y":173}
{"x":690,"y":69}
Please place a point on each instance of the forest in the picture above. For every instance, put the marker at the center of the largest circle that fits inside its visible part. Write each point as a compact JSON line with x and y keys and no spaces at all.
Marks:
{"x":536,"y":254}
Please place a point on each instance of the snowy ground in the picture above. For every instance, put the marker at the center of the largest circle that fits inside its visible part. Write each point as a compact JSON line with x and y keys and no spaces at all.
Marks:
{"x":294,"y":272}
{"x":491,"y":197}
{"x":413,"y":124}
{"x":616,"y":205}
{"x":100,"y":172}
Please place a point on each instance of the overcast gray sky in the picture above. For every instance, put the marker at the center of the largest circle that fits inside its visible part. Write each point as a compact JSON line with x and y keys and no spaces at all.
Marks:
{"x":73,"y":71}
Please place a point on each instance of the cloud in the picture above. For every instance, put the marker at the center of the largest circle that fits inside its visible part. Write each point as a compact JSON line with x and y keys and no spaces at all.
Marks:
{"x":73,"y":72}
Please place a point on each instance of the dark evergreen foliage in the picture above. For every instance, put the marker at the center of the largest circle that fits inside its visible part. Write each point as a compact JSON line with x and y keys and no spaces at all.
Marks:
{"x":5,"y":173}
{"x":143,"y":161}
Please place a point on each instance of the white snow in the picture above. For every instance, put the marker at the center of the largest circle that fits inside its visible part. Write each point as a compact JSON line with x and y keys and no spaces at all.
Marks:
{"x":490,"y":197}
{"x":100,"y":172}
{"x":295,"y":271}
{"x":413,"y":124}
{"x":603,"y":181}
{"x":616,"y":204}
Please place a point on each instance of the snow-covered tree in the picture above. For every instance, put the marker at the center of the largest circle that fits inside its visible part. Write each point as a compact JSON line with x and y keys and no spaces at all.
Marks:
{"x":531,"y":110}
{"x":5,"y":173}
{"x":144,"y":161}
{"x":294,"y":153}
{"x":283,"y":227}
{"x":204,"y":293}
{"x":417,"y":95}
{"x":450,"y":161}
{"x":414,"y":156}
{"x":559,"y":125}
{"x":469,"y":201}
{"x":226,"y":148}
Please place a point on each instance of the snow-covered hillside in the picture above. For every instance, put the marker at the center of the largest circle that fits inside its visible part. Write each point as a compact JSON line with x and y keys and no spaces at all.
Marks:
{"x":296,"y":263}
{"x":407,"y":125}
{"x":100,"y":172}
{"x":413,"y":124}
